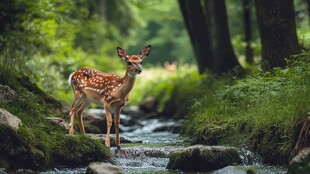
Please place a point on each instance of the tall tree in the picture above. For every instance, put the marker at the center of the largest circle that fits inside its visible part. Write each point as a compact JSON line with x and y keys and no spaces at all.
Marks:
{"x":216,"y":19}
{"x":246,"y":5}
{"x":208,"y":29}
{"x":276,"y":21}
{"x":198,"y":31}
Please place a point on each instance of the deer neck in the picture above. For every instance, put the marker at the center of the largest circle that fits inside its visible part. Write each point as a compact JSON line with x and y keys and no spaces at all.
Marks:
{"x":128,"y":83}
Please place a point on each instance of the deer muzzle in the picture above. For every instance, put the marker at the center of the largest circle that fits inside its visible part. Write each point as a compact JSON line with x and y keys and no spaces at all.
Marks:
{"x":138,"y":71}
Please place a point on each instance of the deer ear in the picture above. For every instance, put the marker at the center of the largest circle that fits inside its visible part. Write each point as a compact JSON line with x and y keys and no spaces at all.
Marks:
{"x":145,"y":52}
{"x":121,"y":53}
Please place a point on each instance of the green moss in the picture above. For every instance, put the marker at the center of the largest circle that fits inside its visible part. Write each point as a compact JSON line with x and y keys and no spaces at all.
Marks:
{"x":200,"y":158}
{"x":27,"y":149}
{"x":251,"y":170}
{"x":177,"y":160}
{"x":18,"y":150}
{"x":80,"y":150}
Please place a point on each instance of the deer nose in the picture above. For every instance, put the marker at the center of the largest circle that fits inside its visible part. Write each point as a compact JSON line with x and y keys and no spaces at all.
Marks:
{"x":139,"y":70}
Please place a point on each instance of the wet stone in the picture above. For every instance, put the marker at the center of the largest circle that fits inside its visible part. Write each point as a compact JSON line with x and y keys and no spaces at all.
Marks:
{"x":58,"y":121}
{"x":7,"y":118}
{"x":141,"y":152}
{"x":124,"y":140}
{"x":203,"y":158}
{"x":103,"y":168}
{"x":6,"y":93}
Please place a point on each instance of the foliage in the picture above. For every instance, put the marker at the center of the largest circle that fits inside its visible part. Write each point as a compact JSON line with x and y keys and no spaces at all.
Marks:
{"x":258,"y":110}
{"x":51,"y":39}
{"x":47,"y":40}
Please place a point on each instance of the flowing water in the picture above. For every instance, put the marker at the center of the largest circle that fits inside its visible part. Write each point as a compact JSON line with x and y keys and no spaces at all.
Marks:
{"x":151,"y":156}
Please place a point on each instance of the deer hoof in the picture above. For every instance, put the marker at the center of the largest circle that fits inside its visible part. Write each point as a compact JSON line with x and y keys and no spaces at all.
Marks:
{"x":117,"y":150}
{"x":118,"y":146}
{"x":71,"y":132}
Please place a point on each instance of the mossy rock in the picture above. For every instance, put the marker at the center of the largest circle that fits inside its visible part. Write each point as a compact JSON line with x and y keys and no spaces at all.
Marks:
{"x":203,"y":158}
{"x":300,"y":164}
{"x":78,"y":151}
{"x":20,"y":149}
{"x":18,"y":152}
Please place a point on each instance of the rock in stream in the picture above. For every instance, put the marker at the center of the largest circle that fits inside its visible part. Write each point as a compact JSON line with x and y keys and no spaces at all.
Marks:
{"x":203,"y":158}
{"x":103,"y":168}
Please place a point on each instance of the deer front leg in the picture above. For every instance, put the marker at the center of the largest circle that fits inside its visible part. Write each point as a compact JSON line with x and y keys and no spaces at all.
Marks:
{"x":107,"y":108}
{"x":117,"y":121}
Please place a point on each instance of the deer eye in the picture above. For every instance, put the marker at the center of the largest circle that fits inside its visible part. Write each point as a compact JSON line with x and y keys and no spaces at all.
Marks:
{"x":141,"y":63}
{"x":129,"y":63}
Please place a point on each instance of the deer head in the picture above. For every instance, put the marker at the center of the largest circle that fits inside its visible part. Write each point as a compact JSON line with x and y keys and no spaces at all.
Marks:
{"x":134,"y":62}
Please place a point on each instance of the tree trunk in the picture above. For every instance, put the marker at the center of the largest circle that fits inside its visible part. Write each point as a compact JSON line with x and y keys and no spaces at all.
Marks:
{"x":224,"y":57}
{"x":194,"y":19}
{"x":276,"y":21}
{"x":247,"y":30}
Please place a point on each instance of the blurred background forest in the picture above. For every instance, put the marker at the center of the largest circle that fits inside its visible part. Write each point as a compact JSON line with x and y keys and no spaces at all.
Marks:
{"x":47,"y":40}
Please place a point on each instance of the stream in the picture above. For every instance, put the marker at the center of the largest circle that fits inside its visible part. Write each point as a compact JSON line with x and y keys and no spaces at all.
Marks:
{"x":151,"y":156}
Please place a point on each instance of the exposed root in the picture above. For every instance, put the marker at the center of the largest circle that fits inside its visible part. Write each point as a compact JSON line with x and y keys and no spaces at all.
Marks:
{"x":303,"y":135}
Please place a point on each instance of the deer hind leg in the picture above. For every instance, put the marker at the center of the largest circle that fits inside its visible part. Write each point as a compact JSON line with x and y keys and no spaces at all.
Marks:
{"x":107,"y":108}
{"x":117,"y":122}
{"x":78,"y":99}
{"x":71,"y":127}
{"x":83,"y":105}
